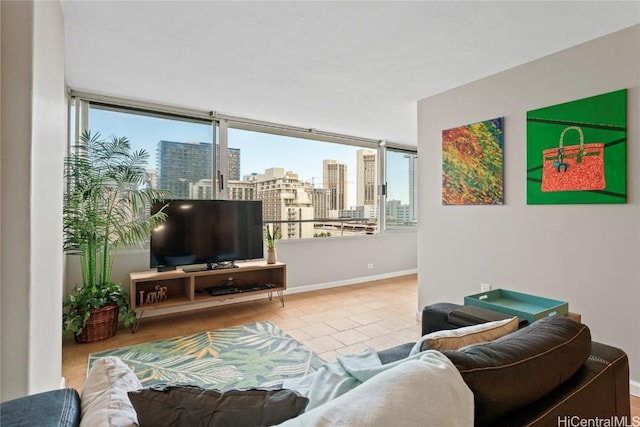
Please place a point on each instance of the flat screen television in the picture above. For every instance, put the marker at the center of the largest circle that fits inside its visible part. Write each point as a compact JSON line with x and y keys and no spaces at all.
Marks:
{"x":212,"y":232}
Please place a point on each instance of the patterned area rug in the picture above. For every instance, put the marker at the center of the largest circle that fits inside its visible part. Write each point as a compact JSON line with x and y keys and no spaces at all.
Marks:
{"x":253,"y":355}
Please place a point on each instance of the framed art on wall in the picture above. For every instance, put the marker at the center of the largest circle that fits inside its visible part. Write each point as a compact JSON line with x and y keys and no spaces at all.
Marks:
{"x":577,"y":151}
{"x":472,"y":164}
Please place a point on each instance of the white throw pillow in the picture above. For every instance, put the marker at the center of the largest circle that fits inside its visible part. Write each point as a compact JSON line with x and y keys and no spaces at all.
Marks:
{"x":455,"y":339}
{"x":104,"y":399}
{"x":425,"y":392}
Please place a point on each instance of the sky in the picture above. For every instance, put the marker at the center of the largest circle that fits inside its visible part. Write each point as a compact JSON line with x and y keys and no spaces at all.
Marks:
{"x":258,"y":151}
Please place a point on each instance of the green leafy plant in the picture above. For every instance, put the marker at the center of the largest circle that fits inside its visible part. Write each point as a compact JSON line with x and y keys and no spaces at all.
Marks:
{"x":105,"y":207}
{"x":77,"y":308}
{"x":272,"y":235}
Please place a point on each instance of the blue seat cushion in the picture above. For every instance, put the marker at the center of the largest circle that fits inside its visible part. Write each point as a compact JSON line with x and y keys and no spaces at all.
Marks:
{"x":48,"y":409}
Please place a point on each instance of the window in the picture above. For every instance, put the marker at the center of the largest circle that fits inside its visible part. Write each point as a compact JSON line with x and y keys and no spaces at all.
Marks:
{"x":311,"y":188}
{"x":180,"y":151}
{"x":401,"y":209}
{"x":312,"y":185}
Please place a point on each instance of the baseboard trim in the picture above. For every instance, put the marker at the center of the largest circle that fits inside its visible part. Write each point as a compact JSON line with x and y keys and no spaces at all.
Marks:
{"x":348,"y":282}
{"x":63,"y":382}
{"x":634,"y":387}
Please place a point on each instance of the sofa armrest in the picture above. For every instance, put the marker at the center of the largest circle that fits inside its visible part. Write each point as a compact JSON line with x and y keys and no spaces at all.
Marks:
{"x":600,"y":389}
{"x":55,"y":408}
{"x":395,"y":353}
{"x":435,"y":317}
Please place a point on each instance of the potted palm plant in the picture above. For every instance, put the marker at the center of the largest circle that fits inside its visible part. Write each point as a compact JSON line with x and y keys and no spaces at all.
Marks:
{"x":105,"y":207}
{"x":272,"y":235}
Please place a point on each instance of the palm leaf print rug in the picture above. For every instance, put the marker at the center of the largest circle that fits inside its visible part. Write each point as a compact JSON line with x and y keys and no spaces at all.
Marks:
{"x":247,"y":356}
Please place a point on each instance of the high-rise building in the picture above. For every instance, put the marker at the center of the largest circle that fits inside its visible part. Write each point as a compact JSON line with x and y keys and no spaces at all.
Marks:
{"x":320,"y":201}
{"x":201,"y":190}
{"x":181,"y":164}
{"x":285,"y":198}
{"x":334,"y":179}
{"x":412,"y":161}
{"x":233,"y":160}
{"x":151,"y":178}
{"x":242,"y":190}
{"x":392,"y":210}
{"x":366,"y":178}
{"x":404,"y":214}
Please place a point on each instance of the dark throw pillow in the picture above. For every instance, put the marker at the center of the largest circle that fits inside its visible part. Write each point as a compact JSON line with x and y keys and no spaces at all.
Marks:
{"x":519,"y":368}
{"x":190,"y":406}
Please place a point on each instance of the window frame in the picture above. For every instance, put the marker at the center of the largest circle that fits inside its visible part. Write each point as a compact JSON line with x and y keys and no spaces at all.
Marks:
{"x":222,"y":123}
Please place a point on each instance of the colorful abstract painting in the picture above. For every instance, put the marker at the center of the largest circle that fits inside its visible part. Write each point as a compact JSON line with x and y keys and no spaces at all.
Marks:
{"x":472,"y":164}
{"x":577,"y":151}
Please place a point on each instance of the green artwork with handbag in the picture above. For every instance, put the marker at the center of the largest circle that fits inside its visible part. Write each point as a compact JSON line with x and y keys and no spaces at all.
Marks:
{"x":577,"y":151}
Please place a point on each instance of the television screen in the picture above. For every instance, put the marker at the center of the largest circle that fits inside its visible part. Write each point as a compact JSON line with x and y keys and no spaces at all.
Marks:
{"x":206,"y":231}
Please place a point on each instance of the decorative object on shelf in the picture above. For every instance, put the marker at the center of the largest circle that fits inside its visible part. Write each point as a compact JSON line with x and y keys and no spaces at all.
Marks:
{"x":103,"y":209}
{"x":577,"y":151}
{"x":472,"y":164}
{"x":272,"y":236}
{"x":153,"y":297}
{"x":183,"y":288}
{"x":272,"y":256}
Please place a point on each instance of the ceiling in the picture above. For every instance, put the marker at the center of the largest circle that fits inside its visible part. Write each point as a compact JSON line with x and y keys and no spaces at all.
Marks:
{"x":356,"y":68}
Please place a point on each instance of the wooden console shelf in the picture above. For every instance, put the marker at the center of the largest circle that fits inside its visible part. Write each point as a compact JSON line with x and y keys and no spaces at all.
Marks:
{"x":150,"y":290}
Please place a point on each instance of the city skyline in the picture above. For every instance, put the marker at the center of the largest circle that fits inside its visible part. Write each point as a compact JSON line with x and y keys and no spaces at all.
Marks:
{"x":184,"y":170}
{"x":302,"y":156}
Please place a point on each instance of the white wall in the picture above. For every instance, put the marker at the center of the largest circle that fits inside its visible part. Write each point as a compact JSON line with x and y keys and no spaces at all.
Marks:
{"x":327,"y":261}
{"x":311,"y":263}
{"x":32,"y":153}
{"x":515,"y":246}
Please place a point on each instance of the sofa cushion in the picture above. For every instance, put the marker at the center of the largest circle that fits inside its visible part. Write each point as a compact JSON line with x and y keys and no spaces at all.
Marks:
{"x":422,"y":392}
{"x":104,"y":394}
{"x":457,"y":338}
{"x":54,"y":408}
{"x":521,"y":367}
{"x":190,"y":406}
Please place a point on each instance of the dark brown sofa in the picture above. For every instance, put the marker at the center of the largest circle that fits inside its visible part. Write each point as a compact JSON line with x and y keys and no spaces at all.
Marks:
{"x":549,"y":373}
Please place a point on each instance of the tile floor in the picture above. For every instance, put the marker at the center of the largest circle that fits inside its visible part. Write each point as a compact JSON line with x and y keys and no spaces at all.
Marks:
{"x":379,"y":314}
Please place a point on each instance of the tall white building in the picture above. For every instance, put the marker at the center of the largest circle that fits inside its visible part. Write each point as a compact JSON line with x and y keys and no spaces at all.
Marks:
{"x":366,"y":178}
{"x":201,"y":189}
{"x":242,"y":190}
{"x":334,"y":179}
{"x":412,"y":160}
{"x":285,"y":198}
{"x":404,"y":214}
{"x":151,"y":178}
{"x":320,"y":199}
{"x":392,"y":208}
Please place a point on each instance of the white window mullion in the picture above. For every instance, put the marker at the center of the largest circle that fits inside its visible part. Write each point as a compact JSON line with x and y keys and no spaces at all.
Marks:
{"x":382,"y":186}
{"x":223,"y":172}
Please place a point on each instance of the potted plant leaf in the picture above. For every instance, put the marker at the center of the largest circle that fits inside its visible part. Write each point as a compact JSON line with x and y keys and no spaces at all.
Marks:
{"x":272,"y":235}
{"x":105,"y":207}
